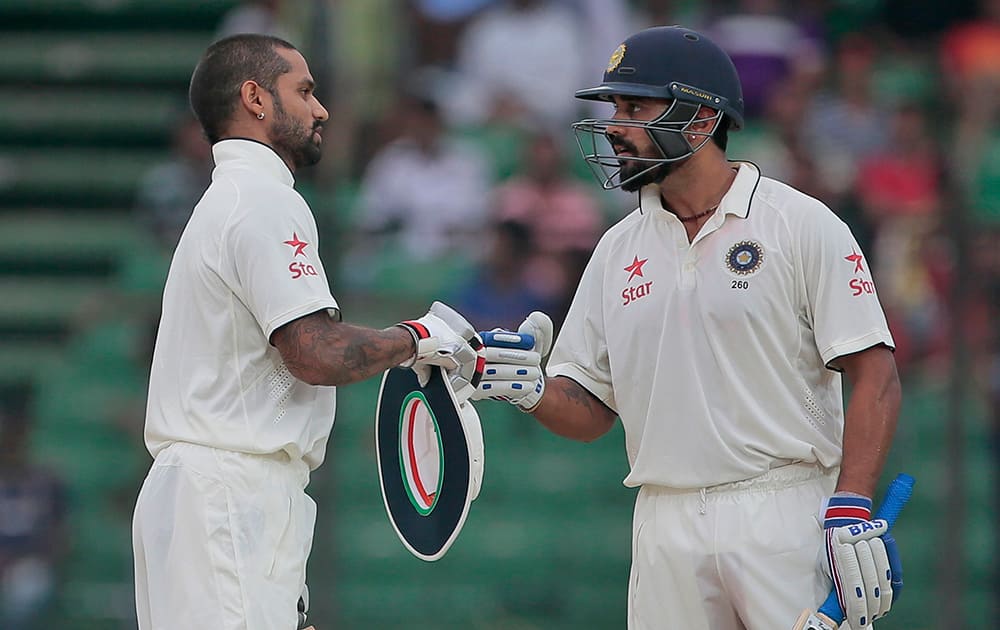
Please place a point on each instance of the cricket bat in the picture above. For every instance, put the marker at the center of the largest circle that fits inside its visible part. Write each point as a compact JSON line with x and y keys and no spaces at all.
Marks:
{"x":830,"y":616}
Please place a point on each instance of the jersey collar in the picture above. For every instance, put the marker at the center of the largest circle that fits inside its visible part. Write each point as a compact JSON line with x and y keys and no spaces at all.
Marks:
{"x":257,"y":155}
{"x":736,"y":201}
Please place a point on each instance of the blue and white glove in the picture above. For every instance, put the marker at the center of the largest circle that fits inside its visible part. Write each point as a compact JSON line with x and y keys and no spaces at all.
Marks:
{"x":513,"y":372}
{"x":861,"y":559}
{"x":443,"y":337}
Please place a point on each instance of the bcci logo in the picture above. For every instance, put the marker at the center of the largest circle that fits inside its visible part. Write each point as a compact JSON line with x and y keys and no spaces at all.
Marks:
{"x":616,"y":58}
{"x":745,"y":257}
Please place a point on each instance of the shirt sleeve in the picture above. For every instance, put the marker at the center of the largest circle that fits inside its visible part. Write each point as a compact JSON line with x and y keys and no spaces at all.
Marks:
{"x":581,"y":350}
{"x":274,"y":256}
{"x":841,"y":301}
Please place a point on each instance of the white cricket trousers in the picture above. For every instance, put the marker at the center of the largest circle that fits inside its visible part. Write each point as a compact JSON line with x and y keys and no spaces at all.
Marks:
{"x":739,"y":556}
{"x":221,"y":540}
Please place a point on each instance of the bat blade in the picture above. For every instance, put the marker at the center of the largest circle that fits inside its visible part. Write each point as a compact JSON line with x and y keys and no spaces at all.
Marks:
{"x":830,"y":615}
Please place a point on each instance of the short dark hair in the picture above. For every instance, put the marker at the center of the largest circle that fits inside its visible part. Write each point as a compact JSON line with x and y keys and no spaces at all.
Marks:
{"x":222,"y":70}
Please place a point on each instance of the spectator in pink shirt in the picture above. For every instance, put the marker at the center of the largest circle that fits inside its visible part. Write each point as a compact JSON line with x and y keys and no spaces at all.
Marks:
{"x":562,"y":215}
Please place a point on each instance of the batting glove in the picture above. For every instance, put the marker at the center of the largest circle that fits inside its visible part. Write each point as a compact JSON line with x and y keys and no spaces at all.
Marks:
{"x":443,"y":337}
{"x":514,"y":373}
{"x":858,"y":559}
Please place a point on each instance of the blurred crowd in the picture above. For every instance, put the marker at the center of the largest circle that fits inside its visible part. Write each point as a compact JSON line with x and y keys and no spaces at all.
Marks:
{"x":450,"y":166}
{"x":450,"y":170}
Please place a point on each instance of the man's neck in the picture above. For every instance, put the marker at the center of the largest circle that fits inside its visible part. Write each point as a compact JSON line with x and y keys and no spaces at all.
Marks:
{"x":697,"y":186}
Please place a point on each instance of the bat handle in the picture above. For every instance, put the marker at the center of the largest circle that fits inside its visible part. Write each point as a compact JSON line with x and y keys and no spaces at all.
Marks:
{"x":507,"y":339}
{"x":896,"y":496}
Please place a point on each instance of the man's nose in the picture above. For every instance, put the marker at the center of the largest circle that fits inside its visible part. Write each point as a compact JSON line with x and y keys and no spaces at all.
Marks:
{"x":321,"y":112}
{"x":615,"y":129}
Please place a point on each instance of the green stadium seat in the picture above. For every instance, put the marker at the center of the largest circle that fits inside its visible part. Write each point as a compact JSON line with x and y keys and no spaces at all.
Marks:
{"x":24,"y":361}
{"x":44,"y":303}
{"x":67,"y":115}
{"x":62,"y":241}
{"x":145,"y":14}
{"x":136,"y":58}
{"x":91,"y":178}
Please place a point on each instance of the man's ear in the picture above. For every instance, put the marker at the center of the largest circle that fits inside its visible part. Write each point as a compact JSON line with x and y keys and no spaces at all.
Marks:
{"x":705,"y":120}
{"x":253,"y":98}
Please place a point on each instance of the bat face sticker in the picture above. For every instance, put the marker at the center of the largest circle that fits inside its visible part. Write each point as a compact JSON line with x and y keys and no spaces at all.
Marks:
{"x":421,"y":456}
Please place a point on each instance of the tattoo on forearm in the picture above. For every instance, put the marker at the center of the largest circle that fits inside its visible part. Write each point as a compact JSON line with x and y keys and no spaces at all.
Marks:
{"x":333,"y":353}
{"x":575,"y":412}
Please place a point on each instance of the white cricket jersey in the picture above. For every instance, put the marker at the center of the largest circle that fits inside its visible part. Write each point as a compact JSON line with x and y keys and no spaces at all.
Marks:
{"x":246,"y":264}
{"x":715,"y":354}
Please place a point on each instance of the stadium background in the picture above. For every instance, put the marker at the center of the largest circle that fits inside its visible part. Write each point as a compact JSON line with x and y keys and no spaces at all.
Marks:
{"x":94,"y":144}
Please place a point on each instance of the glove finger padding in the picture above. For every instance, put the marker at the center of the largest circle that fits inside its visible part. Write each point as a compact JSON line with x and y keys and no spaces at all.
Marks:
{"x":506,"y":372}
{"x":856,"y":567}
{"x":453,"y":319}
{"x":540,"y":325}
{"x":503,"y":390}
{"x":869,"y":576}
{"x":512,"y":356}
{"x":883,"y":577}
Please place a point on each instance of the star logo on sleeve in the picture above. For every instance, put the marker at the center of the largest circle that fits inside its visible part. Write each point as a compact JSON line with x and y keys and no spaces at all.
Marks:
{"x":855,"y":258}
{"x":635,"y":269}
{"x":297,"y":244}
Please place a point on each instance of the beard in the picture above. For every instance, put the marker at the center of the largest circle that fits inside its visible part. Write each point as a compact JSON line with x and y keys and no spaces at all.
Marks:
{"x":643,"y":172}
{"x":293,"y":139}
{"x":653,"y":175}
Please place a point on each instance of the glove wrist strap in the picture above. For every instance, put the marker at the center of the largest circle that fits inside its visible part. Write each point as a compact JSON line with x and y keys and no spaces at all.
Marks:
{"x":414,"y":328}
{"x":846,"y":508}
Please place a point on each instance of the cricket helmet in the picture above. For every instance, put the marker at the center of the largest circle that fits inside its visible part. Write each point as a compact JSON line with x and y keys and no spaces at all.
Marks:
{"x":667,"y":62}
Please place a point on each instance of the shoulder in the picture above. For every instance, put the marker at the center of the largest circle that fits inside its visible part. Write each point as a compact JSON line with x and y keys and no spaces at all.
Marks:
{"x":259,"y":205}
{"x":622,"y":229}
{"x":780,"y":202}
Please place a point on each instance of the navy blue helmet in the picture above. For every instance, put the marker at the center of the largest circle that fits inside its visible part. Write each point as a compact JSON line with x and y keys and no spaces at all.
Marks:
{"x":668,"y":62}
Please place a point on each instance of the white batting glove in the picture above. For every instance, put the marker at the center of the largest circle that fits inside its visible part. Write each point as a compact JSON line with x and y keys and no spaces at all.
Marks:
{"x":443,"y":337}
{"x":857,"y":560}
{"x":515,"y":374}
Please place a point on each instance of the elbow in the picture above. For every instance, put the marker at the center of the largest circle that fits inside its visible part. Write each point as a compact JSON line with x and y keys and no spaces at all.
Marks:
{"x":309,"y":375}
{"x":592,"y":432}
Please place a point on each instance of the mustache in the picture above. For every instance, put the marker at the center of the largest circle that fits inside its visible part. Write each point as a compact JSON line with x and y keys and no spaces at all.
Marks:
{"x":620,"y":144}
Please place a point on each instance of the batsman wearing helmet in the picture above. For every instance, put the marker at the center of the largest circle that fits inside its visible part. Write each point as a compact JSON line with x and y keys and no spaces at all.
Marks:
{"x":716,"y":321}
{"x":249,"y":349}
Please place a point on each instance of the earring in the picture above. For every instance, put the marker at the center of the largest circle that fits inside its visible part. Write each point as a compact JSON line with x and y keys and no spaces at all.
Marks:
{"x":260,"y":116}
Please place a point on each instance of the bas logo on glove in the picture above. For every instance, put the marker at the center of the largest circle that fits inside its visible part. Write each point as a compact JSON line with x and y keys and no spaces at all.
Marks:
{"x":430,"y":459}
{"x":831,"y":613}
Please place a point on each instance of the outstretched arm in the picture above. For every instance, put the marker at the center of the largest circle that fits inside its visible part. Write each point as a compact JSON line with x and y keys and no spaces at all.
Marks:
{"x":320,"y":350}
{"x":514,"y":373}
{"x":569,"y":410}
